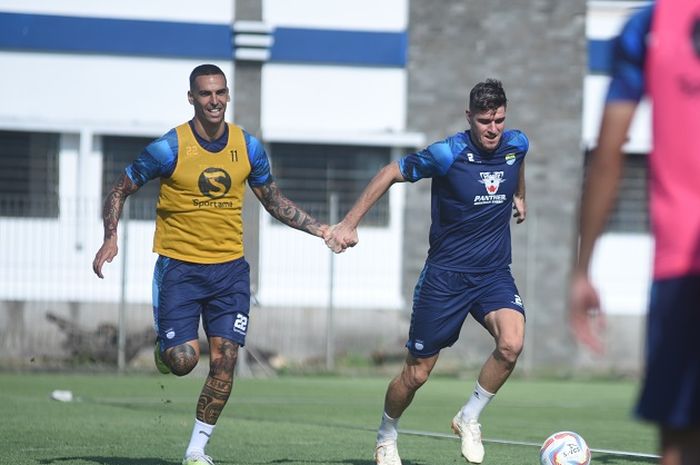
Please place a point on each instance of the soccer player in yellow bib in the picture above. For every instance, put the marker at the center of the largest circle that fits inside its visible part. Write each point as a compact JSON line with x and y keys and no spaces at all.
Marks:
{"x":201,"y":271}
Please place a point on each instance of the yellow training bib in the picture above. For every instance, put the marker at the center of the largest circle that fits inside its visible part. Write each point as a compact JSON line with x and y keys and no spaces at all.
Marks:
{"x":200,"y":204}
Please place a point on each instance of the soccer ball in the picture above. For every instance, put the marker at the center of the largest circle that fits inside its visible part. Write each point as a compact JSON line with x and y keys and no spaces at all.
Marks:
{"x":565,"y":448}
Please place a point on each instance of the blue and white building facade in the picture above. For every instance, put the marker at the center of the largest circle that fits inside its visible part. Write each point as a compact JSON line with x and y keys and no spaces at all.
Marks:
{"x":325,"y":84}
{"x":92,"y":74}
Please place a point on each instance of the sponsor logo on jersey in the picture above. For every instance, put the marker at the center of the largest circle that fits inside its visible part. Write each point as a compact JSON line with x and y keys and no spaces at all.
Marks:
{"x":492,"y":181}
{"x":214,"y":183}
{"x":510,"y":158}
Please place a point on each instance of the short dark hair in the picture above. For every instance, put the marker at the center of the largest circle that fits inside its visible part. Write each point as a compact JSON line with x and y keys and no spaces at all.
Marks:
{"x":205,"y":70}
{"x":487,"y":95}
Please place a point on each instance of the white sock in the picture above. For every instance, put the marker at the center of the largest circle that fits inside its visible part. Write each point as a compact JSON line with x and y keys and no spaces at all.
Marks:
{"x":200,"y":436}
{"x":476,"y":403}
{"x":387,"y":429}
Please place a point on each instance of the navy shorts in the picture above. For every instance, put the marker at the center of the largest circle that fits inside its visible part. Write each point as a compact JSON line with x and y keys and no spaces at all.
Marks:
{"x":182,"y":292}
{"x":442,"y":300}
{"x":670,"y":394}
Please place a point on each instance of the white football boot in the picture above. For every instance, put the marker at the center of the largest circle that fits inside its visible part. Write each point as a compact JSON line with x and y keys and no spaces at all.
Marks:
{"x":470,"y":434}
{"x":197,"y":459}
{"x":387,"y":454}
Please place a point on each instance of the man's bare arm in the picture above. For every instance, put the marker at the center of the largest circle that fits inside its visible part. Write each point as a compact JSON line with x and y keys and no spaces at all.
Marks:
{"x":286,"y":211}
{"x":111,"y":212}
{"x":344,"y":234}
{"x":114,"y":203}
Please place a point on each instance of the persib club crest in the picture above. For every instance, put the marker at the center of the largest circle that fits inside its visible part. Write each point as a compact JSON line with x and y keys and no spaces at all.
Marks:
{"x":491,"y":180}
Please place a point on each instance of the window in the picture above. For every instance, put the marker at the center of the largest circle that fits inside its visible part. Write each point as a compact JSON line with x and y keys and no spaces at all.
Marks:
{"x":118,"y":153}
{"x":29,"y":174}
{"x":309,"y":174}
{"x":631,"y":211}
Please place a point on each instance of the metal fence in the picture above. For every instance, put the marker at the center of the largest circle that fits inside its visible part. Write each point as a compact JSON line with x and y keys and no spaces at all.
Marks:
{"x":309,"y":307}
{"x":55,"y":311}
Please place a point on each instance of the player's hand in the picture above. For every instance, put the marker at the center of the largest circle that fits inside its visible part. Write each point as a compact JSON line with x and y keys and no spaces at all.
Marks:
{"x":340,"y":237}
{"x":520,"y":209}
{"x":322,"y":231}
{"x":586,"y":319}
{"x":106,"y":253}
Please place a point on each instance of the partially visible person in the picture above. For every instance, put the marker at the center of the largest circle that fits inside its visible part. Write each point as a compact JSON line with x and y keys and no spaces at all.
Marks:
{"x":657,"y":53}
{"x":202,"y":165}
{"x":478,"y":177}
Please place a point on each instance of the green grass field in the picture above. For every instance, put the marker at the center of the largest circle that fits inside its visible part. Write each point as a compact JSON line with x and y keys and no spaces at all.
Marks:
{"x":147,"y":420}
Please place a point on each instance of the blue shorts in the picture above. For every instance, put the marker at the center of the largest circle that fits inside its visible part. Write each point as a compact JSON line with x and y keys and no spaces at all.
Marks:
{"x":182,"y":292}
{"x":670,"y":394}
{"x":442,"y":300}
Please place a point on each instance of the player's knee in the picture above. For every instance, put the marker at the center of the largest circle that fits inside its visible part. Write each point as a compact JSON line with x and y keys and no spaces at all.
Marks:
{"x":415,"y":377}
{"x":182,"y":359}
{"x":508,"y":350}
{"x":224,"y":354}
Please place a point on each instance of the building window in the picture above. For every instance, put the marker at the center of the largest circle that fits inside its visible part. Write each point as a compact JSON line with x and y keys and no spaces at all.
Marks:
{"x":118,"y":152}
{"x":309,"y":174}
{"x":29,"y":174}
{"x":631,"y":211}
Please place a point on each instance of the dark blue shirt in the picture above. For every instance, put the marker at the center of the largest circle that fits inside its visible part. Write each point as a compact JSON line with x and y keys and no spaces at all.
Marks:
{"x":472,"y":199}
{"x":629,"y":55}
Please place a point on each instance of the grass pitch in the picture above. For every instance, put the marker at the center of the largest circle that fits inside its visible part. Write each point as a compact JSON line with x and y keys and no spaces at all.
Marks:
{"x":147,"y":420}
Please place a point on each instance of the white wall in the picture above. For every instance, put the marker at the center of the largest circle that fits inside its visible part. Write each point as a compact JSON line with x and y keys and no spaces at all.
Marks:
{"x":367,"y":276}
{"x":50,"y":259}
{"x":621,"y":269}
{"x":367,"y":15}
{"x":355,"y":103}
{"x":106,"y":93}
{"x":202,"y":11}
{"x":335,"y":98}
{"x":595,"y":89}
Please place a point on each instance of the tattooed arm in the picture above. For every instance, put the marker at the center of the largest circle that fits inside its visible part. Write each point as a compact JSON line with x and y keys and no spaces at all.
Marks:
{"x":287,"y":211}
{"x":112,"y":210}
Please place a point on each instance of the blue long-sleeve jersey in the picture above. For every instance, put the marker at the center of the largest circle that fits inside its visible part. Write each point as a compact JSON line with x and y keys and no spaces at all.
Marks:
{"x":472,"y":197}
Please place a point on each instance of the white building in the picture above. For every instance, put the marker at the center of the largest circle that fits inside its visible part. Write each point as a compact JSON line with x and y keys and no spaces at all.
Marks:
{"x":89,"y":83}
{"x":324,"y":83}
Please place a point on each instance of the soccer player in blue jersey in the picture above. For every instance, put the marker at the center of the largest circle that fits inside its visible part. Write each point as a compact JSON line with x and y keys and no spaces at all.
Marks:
{"x":657,"y":54}
{"x":477,"y":177}
{"x":201,"y":271}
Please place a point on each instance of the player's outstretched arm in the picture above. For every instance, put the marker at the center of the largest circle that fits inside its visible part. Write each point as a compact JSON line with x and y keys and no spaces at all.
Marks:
{"x":344,"y":234}
{"x":599,"y":192}
{"x":286,"y":211}
{"x":114,"y":203}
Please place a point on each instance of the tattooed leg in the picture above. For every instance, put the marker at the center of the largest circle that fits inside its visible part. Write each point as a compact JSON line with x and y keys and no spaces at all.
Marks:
{"x":217,"y":387}
{"x":182,"y":358}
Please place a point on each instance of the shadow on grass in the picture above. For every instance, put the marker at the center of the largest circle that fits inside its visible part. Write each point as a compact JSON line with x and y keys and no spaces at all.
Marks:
{"x":109,"y":461}
{"x":339,"y":462}
{"x":618,"y":459}
{"x":155,"y":461}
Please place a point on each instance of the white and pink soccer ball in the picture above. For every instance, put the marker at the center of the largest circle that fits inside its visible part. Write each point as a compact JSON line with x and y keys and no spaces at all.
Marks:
{"x":565,"y":448}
